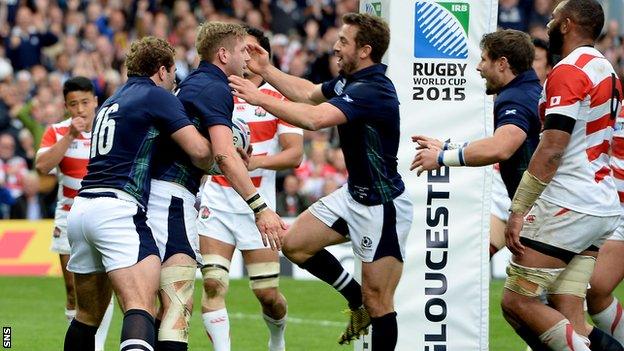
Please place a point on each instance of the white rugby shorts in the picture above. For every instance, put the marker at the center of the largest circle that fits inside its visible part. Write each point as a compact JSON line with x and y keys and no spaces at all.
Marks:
{"x":375,"y":231}
{"x":107,"y":230}
{"x":171,"y":215}
{"x":566,"y":229}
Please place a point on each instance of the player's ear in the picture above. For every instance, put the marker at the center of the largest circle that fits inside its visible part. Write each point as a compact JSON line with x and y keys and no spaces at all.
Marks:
{"x":222,"y":55}
{"x":162,"y":73}
{"x":365,"y":51}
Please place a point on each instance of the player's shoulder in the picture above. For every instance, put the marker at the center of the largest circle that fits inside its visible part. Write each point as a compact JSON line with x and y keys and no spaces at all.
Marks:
{"x":268,"y":89}
{"x":61,"y":127}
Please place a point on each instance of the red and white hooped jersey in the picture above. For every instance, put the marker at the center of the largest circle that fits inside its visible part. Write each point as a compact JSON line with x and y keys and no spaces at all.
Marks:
{"x":617,"y":156}
{"x":581,"y":86}
{"x":265,"y":131}
{"x":73,"y":166}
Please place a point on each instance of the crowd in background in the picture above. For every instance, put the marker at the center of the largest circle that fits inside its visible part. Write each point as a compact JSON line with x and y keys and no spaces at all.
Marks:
{"x":44,"y":42}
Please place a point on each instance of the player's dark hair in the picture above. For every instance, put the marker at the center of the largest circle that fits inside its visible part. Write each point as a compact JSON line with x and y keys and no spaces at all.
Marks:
{"x":543,"y":44}
{"x":147,"y":55}
{"x":514,"y":45}
{"x":259,"y":35}
{"x":587,"y":14}
{"x":78,"y":83}
{"x":372,"y":31}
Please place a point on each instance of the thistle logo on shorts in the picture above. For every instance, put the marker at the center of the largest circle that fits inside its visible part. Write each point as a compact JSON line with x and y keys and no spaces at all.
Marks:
{"x":204,"y":212}
{"x":366,"y":243}
{"x":441,"y":30}
{"x":373,"y":8}
{"x":57,"y":232}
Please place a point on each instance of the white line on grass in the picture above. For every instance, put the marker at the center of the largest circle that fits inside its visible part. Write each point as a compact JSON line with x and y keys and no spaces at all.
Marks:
{"x":295,"y":320}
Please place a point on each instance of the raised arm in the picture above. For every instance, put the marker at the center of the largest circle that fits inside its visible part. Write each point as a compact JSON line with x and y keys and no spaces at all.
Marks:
{"x":293,"y":88}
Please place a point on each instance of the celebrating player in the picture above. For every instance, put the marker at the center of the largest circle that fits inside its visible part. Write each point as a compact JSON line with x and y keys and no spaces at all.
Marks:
{"x":111,"y":244}
{"x":226,"y":222}
{"x":506,"y":61}
{"x":372,"y":210}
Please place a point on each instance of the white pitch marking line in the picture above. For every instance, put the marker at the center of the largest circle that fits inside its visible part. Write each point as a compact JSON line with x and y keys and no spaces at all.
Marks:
{"x":295,"y":320}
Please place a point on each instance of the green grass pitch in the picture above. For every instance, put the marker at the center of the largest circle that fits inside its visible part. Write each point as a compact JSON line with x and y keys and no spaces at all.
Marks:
{"x":33,"y":308}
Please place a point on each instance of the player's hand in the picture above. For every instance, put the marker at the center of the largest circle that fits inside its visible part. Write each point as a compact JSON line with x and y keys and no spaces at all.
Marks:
{"x":259,"y":59}
{"x":425,"y":160}
{"x":271,"y":228}
{"x":78,"y":125}
{"x":245,"y":90}
{"x":512,"y":234}
{"x":244,"y":156}
{"x":425,"y":142}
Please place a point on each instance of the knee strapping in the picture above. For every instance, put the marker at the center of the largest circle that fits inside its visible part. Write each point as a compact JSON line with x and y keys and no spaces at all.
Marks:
{"x":216,"y":268}
{"x":263,"y":275}
{"x":575,"y":278}
{"x":529,"y":281}
{"x":177,"y":283}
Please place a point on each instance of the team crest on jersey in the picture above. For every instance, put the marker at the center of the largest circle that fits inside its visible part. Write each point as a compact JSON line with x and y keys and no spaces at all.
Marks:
{"x":260,"y":112}
{"x":530,"y":218}
{"x":204,"y":212}
{"x":366,"y":243}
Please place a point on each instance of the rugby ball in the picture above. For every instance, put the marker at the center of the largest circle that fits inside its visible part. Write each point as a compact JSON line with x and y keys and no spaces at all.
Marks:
{"x":241,"y":138}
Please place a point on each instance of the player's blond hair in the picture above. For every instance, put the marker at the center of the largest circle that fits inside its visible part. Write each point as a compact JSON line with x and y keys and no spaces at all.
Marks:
{"x":211,"y":36}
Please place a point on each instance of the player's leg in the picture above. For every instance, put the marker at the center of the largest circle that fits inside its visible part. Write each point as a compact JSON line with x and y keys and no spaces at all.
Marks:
{"x":171,"y":216}
{"x":497,"y":234}
{"x":136,"y":287}
{"x":216,"y":256}
{"x":379,"y":237}
{"x":93,"y":293}
{"x":131,"y":259}
{"x":70,"y":291}
{"x":554,"y":238}
{"x":604,"y":308}
{"x":304,"y":244}
{"x":379,"y":281}
{"x":93,"y":290}
{"x":264,"y":268}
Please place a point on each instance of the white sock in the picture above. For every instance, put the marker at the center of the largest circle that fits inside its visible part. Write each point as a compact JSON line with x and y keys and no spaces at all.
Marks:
{"x":217,"y":325}
{"x":610,"y":320}
{"x":69,"y":315}
{"x":100,"y":335}
{"x":277,"y":328}
{"x":562,"y":337}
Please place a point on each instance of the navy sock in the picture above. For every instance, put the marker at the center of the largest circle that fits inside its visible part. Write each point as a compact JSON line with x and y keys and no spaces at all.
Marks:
{"x":326,"y":267}
{"x":171,"y":346}
{"x":137,"y":330}
{"x":602,"y":341}
{"x":79,"y":336}
{"x":531,"y":339}
{"x":385,"y":332}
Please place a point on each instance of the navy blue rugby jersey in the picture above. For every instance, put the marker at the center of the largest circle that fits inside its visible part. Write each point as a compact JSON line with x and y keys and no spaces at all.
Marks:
{"x":517,"y":104}
{"x":370,"y":138}
{"x":208,"y":101}
{"x":125,"y":130}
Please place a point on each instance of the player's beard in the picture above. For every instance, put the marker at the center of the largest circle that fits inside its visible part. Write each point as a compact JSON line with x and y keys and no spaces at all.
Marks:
{"x":347,"y":67}
{"x":555,"y":40}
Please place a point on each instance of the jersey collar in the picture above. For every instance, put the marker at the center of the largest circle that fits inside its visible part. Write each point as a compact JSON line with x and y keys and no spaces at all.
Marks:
{"x":140,"y":79}
{"x":378,"y":68}
{"x":210,"y":68}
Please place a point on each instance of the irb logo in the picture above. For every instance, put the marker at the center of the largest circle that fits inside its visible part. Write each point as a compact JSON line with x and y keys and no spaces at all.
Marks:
{"x":441,"y":29}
